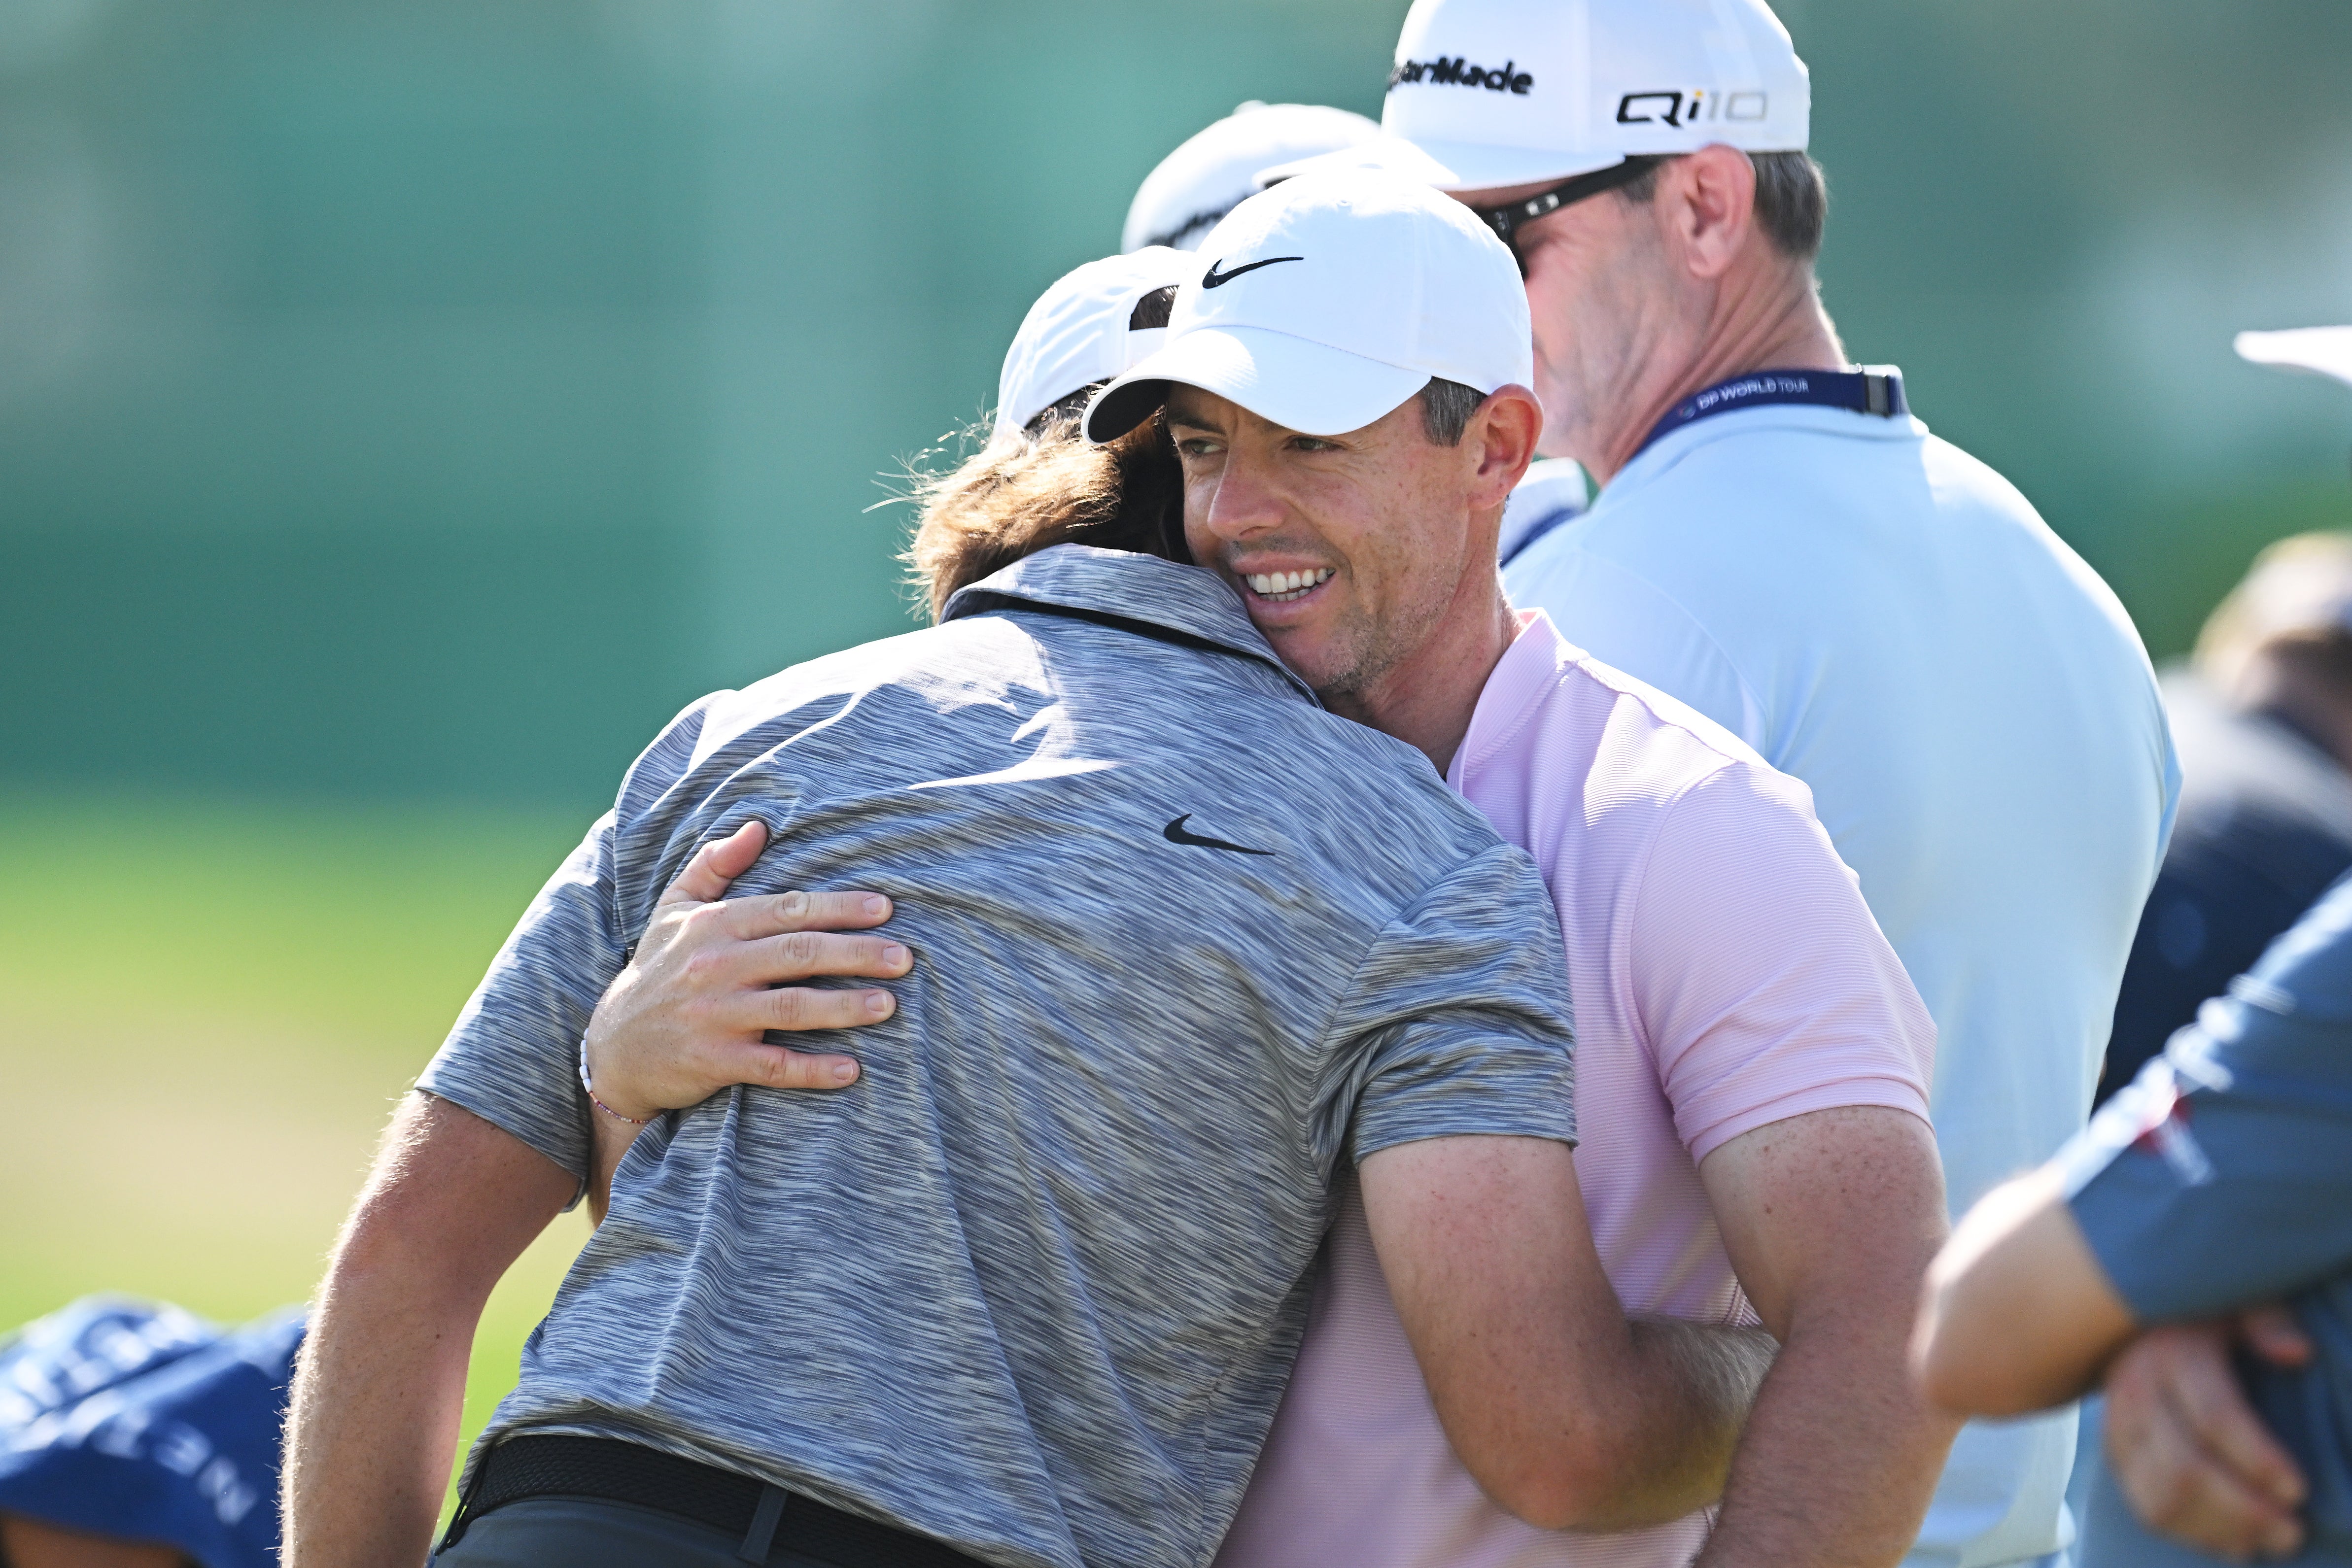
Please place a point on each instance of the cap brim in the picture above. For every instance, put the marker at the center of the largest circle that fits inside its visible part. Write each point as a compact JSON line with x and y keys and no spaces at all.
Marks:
{"x":2322,"y":350}
{"x":1305,"y":386}
{"x":1447,"y":165}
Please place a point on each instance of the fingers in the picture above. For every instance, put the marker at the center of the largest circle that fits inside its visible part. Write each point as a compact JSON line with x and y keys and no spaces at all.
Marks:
{"x":773,"y":1067}
{"x":2207,"y":1398}
{"x":2272,"y":1334}
{"x":804,"y":955}
{"x":798,"y":1010}
{"x":800,"y":955}
{"x":2175,"y":1490}
{"x":777,"y":914}
{"x":715,"y":865}
{"x":2192,"y":1459}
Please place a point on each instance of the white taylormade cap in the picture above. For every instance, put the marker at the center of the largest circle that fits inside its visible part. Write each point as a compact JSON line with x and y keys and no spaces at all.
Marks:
{"x":1090,"y":326}
{"x":2322,"y":350}
{"x":1327,"y":301}
{"x":1488,"y":93}
{"x":1214,"y":171}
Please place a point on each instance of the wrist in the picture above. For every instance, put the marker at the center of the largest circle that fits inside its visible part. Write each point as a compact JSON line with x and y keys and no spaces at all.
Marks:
{"x":609,"y":1102}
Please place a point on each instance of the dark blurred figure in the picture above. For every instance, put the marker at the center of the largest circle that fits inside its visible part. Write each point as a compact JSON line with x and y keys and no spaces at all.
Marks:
{"x":133,"y":1435}
{"x":2262,"y":716}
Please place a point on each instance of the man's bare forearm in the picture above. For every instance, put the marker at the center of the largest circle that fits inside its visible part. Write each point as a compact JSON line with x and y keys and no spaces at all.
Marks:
{"x":1830,"y":1218}
{"x":1660,"y":1420}
{"x":1838,"y":1462}
{"x":452,"y":1201}
{"x":1566,"y":1414}
{"x":1701,"y":1379}
{"x":374,"y":1420}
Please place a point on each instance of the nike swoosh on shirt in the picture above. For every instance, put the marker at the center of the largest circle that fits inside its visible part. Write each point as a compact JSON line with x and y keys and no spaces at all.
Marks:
{"x":1175,"y":834}
{"x":1212,"y":278}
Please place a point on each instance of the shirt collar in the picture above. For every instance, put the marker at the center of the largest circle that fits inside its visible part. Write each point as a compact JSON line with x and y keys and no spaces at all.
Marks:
{"x":1529,"y":669}
{"x":1668,"y":449}
{"x":1154,"y":597}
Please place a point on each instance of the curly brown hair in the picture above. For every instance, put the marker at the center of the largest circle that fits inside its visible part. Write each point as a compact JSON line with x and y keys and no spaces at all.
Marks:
{"x":1022,"y":494}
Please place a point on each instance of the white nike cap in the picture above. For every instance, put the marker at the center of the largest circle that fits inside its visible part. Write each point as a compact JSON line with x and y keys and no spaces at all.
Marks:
{"x":1488,"y":93}
{"x":1093,"y":323}
{"x":2322,"y":350}
{"x":1330,"y":300}
{"x":1215,"y":170}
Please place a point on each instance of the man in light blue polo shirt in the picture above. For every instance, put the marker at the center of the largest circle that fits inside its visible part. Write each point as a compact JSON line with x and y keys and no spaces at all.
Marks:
{"x":1779,"y":543}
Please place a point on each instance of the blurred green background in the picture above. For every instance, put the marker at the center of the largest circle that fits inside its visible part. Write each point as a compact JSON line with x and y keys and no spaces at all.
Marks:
{"x":404,"y":409}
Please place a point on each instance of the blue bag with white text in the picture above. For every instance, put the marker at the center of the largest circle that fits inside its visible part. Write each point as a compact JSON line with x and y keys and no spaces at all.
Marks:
{"x":142,"y":1422}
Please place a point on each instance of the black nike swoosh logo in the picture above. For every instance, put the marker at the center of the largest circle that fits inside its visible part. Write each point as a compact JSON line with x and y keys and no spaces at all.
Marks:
{"x":1212,"y":278}
{"x":1175,"y":834}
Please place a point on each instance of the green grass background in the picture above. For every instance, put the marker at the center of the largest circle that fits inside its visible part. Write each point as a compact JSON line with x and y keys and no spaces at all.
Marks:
{"x":207,"y":1014}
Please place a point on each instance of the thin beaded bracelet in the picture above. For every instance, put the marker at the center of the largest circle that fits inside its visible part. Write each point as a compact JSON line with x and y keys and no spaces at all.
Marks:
{"x":632,"y":1121}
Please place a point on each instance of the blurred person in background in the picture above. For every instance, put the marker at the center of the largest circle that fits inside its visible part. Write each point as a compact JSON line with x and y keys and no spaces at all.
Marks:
{"x":1034,"y":1305}
{"x":2263,"y":715}
{"x":2218,"y":1181}
{"x":135,"y":1435}
{"x":1212,"y":172}
{"x":1779,"y":543}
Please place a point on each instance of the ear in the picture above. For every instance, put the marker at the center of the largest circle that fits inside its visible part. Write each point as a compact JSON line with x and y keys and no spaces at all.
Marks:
{"x":1707,"y":207}
{"x":1501,"y":438}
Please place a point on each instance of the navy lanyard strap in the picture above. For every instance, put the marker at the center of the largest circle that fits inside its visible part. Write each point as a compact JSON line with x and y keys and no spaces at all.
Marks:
{"x":1874,"y":389}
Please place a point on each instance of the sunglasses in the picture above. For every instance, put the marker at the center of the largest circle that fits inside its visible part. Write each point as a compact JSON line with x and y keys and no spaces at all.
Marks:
{"x":1507,"y":221}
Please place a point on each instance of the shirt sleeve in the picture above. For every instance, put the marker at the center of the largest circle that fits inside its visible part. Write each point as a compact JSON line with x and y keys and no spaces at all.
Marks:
{"x":1458,"y":1020}
{"x":512,"y":1058}
{"x":2222,"y":1174}
{"x":1764,"y":988}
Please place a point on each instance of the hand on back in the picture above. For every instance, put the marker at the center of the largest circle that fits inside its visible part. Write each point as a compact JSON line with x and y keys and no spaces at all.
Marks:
{"x":687,"y":1016}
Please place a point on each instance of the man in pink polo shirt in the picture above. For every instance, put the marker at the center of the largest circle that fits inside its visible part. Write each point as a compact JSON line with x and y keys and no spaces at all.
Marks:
{"x":1735,"y":1005}
{"x":1752,"y":1061}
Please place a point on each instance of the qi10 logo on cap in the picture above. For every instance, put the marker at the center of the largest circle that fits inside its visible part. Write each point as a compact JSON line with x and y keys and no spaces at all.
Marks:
{"x":1679,"y":109}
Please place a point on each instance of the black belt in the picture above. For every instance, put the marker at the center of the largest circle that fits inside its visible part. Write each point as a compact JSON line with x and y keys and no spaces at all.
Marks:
{"x":765,"y":1516}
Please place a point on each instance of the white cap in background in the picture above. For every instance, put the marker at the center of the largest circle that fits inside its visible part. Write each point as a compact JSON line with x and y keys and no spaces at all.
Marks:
{"x":1327,"y":301}
{"x":1082,"y":330}
{"x":2321,"y":351}
{"x":2298,"y":585}
{"x":1488,"y":93}
{"x":1214,"y":171}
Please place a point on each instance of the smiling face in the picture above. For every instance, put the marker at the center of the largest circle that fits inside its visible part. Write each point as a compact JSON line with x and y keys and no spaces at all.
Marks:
{"x":1361,"y":556}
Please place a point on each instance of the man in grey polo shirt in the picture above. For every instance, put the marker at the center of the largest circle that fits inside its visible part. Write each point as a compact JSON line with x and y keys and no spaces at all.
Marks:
{"x":1023,"y":1295}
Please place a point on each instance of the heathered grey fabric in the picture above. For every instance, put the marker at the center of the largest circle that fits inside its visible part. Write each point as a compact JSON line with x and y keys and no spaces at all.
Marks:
{"x":1033,"y":1285}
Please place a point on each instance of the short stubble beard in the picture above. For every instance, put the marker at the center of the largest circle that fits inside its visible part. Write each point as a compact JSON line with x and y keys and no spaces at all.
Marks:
{"x":1378,"y":645}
